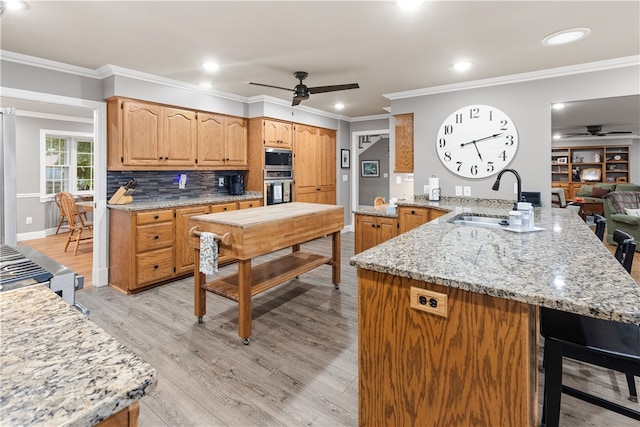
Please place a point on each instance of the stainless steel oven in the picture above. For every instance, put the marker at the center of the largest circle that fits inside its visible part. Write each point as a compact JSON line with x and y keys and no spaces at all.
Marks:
{"x":278,"y":159}
{"x":278,"y":176}
{"x":23,"y":266}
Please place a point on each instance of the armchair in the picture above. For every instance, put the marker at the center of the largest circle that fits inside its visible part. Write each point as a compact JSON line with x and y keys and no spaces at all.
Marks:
{"x":615,"y":204}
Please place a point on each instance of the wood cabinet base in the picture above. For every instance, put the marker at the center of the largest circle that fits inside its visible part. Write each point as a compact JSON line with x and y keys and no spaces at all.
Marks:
{"x":127,"y":417}
{"x":477,"y":366}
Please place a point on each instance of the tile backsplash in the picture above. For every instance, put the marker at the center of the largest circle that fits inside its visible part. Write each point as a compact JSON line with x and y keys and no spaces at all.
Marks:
{"x":163,"y":185}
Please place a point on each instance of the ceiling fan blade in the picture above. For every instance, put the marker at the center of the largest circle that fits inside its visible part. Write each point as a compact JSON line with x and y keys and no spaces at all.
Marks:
{"x":333,"y":88}
{"x":275,"y":87}
{"x":617,"y":132}
{"x":577,"y":134}
{"x":296,"y":101}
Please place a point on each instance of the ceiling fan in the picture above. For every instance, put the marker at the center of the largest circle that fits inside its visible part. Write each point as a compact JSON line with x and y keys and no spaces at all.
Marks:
{"x":302,"y":92}
{"x":595,"y":130}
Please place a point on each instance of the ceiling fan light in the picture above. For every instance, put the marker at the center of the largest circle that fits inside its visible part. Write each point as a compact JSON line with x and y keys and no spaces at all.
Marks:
{"x":566,"y":36}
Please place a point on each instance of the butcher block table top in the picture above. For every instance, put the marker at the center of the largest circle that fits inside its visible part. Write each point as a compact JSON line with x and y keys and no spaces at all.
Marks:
{"x":265,"y":229}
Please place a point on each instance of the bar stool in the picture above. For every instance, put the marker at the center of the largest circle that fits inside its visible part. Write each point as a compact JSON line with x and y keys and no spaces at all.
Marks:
{"x":601,"y":223}
{"x":604,"y":343}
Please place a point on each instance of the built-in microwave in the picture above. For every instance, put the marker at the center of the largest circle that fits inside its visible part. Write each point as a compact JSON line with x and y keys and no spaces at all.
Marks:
{"x":277,"y":159}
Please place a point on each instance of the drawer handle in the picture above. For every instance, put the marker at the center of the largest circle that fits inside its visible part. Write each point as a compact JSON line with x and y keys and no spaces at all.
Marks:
{"x":378,"y":225}
{"x":413,"y":212}
{"x":156,"y":216}
{"x":155,"y":266}
{"x":156,"y":237}
{"x":373,"y":225}
{"x":250,"y":205}
{"x":224,"y":209}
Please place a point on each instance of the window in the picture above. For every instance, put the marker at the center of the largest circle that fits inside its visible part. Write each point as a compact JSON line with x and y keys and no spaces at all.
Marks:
{"x":68,"y":162}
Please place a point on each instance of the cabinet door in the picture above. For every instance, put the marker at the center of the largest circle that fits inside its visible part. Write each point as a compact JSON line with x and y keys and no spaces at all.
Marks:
{"x":142,"y":134}
{"x":285,"y":134}
{"x":404,"y":143}
{"x":366,"y":233}
{"x":249,"y":204}
{"x":236,"y":134}
{"x":223,"y":207}
{"x":277,"y":134}
{"x":387,"y":229}
{"x":306,"y":164}
{"x":211,"y":148}
{"x":153,"y":267}
{"x":327,"y":148}
{"x":180,"y":137}
{"x":436,"y":213}
{"x":184,"y":252}
{"x":411,"y":218}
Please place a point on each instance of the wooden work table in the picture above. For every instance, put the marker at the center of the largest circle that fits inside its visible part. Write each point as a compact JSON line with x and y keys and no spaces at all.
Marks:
{"x":244,"y":235}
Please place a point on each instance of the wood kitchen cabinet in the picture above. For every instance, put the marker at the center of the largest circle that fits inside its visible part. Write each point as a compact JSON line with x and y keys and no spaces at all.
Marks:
{"x":404,"y":143}
{"x":222,"y":140}
{"x":410,"y":217}
{"x":184,"y":253}
{"x":372,"y":230}
{"x":314,"y":165}
{"x":277,"y":134}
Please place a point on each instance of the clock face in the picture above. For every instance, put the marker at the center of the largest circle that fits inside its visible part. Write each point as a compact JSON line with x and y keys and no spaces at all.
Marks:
{"x":477,"y":141}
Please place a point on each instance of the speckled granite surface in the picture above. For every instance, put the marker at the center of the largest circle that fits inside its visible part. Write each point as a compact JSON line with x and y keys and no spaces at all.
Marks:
{"x":446,"y":204}
{"x":59,"y":368}
{"x":174,"y":203}
{"x":564,"y":266}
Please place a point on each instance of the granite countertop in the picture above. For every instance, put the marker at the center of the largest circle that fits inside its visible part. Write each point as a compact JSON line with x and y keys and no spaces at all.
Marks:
{"x":59,"y":368}
{"x":174,"y":203}
{"x":446,"y":204}
{"x":565,"y":266}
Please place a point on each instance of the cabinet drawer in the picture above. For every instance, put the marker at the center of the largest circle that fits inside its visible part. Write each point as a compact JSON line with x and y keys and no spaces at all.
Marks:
{"x":154,"y":217}
{"x":223,"y":207}
{"x":249,"y":204}
{"x":154,"y":266}
{"x":155,"y":236}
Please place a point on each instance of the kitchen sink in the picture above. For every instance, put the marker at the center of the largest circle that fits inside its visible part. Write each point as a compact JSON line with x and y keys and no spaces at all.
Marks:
{"x":480,"y":221}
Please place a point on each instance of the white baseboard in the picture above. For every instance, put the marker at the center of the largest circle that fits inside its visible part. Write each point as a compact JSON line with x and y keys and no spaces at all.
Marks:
{"x":32,"y":235}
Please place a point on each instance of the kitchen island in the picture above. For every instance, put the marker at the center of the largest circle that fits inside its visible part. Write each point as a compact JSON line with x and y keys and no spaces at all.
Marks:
{"x":448,"y":323}
{"x":244,"y":235}
{"x":59,"y":368}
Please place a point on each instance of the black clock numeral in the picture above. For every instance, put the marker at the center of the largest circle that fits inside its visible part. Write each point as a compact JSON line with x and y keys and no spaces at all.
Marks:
{"x":474,"y":170}
{"x":458,"y":118}
{"x":448,"y":129}
{"x":509,"y":140}
{"x":503,"y":156}
{"x":474,"y":113}
{"x":503,"y":125}
{"x":490,"y":115}
{"x":441,"y":143}
{"x":459,"y":166}
{"x":447,"y":156}
{"x":490,"y":167}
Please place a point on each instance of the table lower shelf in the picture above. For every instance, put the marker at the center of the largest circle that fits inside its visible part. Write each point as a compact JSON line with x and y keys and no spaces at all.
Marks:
{"x":269,"y":274}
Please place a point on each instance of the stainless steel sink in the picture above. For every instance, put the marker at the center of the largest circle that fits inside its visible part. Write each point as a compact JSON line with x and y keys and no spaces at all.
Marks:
{"x":480,"y":221}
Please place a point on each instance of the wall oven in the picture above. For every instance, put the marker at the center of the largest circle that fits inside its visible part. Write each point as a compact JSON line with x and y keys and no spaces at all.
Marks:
{"x":278,"y":176}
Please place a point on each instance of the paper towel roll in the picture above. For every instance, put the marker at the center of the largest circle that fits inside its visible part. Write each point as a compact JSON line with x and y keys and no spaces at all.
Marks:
{"x":434,"y":184}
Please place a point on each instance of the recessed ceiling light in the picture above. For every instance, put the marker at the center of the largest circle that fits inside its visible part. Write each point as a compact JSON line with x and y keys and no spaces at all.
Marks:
{"x":338,"y":106}
{"x":205,"y":85}
{"x":14,"y":4}
{"x":558,"y":106}
{"x":211,"y":66}
{"x":409,"y":5}
{"x":462,"y":65}
{"x":557,"y":136}
{"x":566,"y":36}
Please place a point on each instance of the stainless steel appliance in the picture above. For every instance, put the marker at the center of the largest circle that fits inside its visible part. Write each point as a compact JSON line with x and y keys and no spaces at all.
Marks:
{"x":23,"y":266}
{"x":236,"y":184}
{"x":278,"y":176}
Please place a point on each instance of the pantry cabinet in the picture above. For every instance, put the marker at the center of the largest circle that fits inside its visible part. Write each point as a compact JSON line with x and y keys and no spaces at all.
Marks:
{"x":372,"y":230}
{"x":147,"y":136}
{"x":147,"y":248}
{"x":314,"y":165}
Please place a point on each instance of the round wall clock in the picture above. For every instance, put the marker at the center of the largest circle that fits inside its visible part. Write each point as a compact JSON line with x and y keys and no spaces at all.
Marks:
{"x":477,"y":141}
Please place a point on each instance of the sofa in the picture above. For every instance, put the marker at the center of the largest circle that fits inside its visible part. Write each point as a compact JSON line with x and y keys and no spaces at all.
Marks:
{"x":622,"y":210}
{"x":596,"y":192}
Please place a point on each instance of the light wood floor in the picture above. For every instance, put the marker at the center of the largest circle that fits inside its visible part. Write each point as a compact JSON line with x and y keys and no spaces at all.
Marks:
{"x":301,"y":367}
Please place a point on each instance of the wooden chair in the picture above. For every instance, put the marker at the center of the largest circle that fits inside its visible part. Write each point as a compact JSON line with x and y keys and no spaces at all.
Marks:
{"x":604,"y":343}
{"x":378,"y":201}
{"x":77,"y":224}
{"x":63,"y":216}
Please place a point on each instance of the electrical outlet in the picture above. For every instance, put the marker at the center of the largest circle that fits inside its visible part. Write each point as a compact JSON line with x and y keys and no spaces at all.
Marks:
{"x":458,"y":190}
{"x":426,"y":189}
{"x":428,"y":301}
{"x":182,"y":181}
{"x":467,"y":191}
{"x":398,"y":179}
{"x":29,"y":220}
{"x":221,"y":181}
{"x":345,"y":178}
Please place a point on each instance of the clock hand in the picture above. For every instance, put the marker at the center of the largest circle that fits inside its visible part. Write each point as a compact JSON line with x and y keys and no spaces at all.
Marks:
{"x":478,"y":151}
{"x":481,"y":139}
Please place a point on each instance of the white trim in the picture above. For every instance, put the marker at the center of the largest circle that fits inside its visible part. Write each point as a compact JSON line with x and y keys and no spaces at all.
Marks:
{"x":48,"y":64}
{"x":368,"y":118}
{"x":27,"y":195}
{"x":41,"y":234}
{"x":48,"y":116}
{"x":628,"y":61}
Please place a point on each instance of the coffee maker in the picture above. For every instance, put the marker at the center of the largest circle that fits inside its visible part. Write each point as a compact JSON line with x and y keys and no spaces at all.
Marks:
{"x":236,"y":184}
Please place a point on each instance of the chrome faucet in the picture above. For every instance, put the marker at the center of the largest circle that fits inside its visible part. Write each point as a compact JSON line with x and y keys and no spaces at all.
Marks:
{"x":496,"y":185}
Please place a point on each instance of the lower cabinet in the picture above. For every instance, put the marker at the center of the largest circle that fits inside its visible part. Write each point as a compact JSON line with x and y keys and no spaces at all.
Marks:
{"x":372,"y":230}
{"x":147,"y":248}
{"x":410,"y":217}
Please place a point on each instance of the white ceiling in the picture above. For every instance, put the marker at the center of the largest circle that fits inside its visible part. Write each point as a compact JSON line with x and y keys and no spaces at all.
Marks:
{"x":372,"y":43}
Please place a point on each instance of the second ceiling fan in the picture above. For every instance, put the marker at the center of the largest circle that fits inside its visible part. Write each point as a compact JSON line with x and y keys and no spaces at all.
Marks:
{"x":302,"y":92}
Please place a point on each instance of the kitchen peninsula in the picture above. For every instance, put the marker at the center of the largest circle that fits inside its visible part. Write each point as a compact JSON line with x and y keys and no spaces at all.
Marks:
{"x":59,"y":368}
{"x":448,"y":319}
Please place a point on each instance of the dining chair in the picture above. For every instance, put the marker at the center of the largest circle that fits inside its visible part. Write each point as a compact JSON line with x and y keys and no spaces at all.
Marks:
{"x":63,"y":216}
{"x":601,"y":223}
{"x":604,"y":343}
{"x":378,"y":201}
{"x":77,"y":223}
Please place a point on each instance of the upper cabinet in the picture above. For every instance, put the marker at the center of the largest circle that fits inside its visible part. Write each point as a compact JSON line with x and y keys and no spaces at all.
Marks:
{"x":143,"y":135}
{"x":277,"y":134}
{"x":314,"y":165}
{"x":404,"y":143}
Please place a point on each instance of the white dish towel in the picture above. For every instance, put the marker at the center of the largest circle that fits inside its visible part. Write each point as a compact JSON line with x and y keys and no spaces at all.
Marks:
{"x":208,"y":253}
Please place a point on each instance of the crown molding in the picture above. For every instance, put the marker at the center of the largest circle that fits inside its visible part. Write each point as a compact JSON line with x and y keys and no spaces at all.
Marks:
{"x":33,"y":61}
{"x":49,"y":116}
{"x":628,"y":61}
{"x":367,"y":118}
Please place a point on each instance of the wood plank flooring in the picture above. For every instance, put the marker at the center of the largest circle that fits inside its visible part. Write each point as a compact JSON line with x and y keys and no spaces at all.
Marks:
{"x":301,"y":367}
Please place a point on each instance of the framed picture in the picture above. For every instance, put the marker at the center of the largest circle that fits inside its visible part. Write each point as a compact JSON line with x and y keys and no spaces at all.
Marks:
{"x":590,"y":174}
{"x":345,"y":155}
{"x":370,"y":168}
{"x":562,"y":160}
